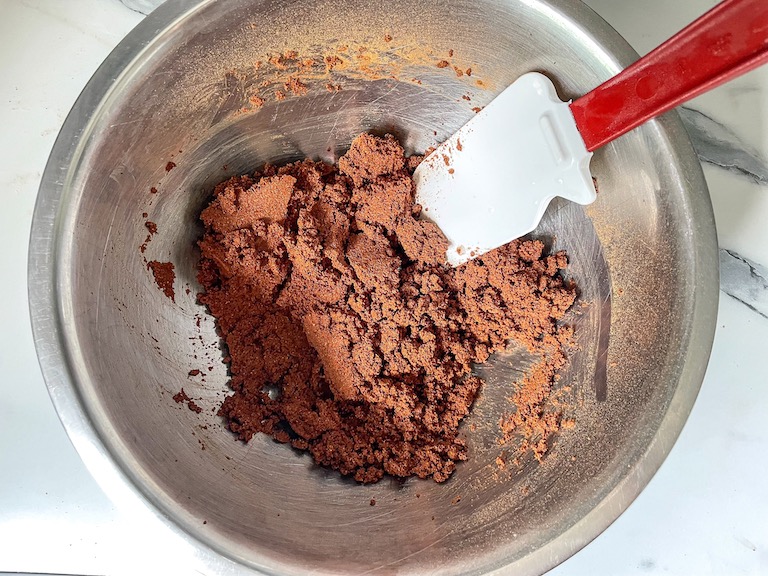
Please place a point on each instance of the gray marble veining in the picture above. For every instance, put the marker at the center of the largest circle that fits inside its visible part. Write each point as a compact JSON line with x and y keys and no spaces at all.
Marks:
{"x":745,"y":281}
{"x":716,"y":144}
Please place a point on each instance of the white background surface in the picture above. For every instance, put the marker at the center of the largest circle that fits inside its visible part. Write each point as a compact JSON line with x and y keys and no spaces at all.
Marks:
{"x":706,"y":510}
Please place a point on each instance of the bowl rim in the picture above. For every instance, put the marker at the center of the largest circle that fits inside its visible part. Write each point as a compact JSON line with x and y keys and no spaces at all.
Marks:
{"x":47,"y":319}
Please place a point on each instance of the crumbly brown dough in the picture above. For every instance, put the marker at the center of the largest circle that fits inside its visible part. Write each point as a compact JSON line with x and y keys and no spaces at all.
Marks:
{"x":347,"y":334}
{"x":164,"y":275}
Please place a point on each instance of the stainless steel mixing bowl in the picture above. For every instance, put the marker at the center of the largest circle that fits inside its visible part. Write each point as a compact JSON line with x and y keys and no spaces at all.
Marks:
{"x":114,"y":349}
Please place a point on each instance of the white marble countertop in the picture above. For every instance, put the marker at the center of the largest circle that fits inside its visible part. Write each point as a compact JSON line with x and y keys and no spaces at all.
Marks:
{"x":703,"y":513}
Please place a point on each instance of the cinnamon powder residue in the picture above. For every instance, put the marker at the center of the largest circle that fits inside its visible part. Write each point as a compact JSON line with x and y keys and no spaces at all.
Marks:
{"x":332,"y":61}
{"x":279,"y":76}
{"x":296,"y":86}
{"x":347,"y":334}
{"x":164,"y":276}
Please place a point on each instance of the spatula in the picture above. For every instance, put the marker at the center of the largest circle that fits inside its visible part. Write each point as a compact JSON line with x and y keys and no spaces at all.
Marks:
{"x":493,"y":179}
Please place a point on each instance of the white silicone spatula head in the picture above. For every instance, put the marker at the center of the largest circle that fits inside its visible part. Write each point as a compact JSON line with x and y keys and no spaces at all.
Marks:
{"x":492,"y":181}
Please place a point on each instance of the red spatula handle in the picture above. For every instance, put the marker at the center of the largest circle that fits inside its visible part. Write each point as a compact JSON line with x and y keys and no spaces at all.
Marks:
{"x":724,"y":43}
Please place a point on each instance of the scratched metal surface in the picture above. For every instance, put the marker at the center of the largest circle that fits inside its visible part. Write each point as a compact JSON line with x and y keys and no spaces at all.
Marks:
{"x":114,"y":349}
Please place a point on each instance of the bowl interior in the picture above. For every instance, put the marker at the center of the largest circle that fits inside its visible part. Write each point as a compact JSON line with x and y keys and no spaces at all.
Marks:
{"x":635,"y":254}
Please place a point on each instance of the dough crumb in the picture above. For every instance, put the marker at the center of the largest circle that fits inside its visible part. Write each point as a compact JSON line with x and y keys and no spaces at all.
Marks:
{"x":181,"y":398}
{"x":164,"y":275}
